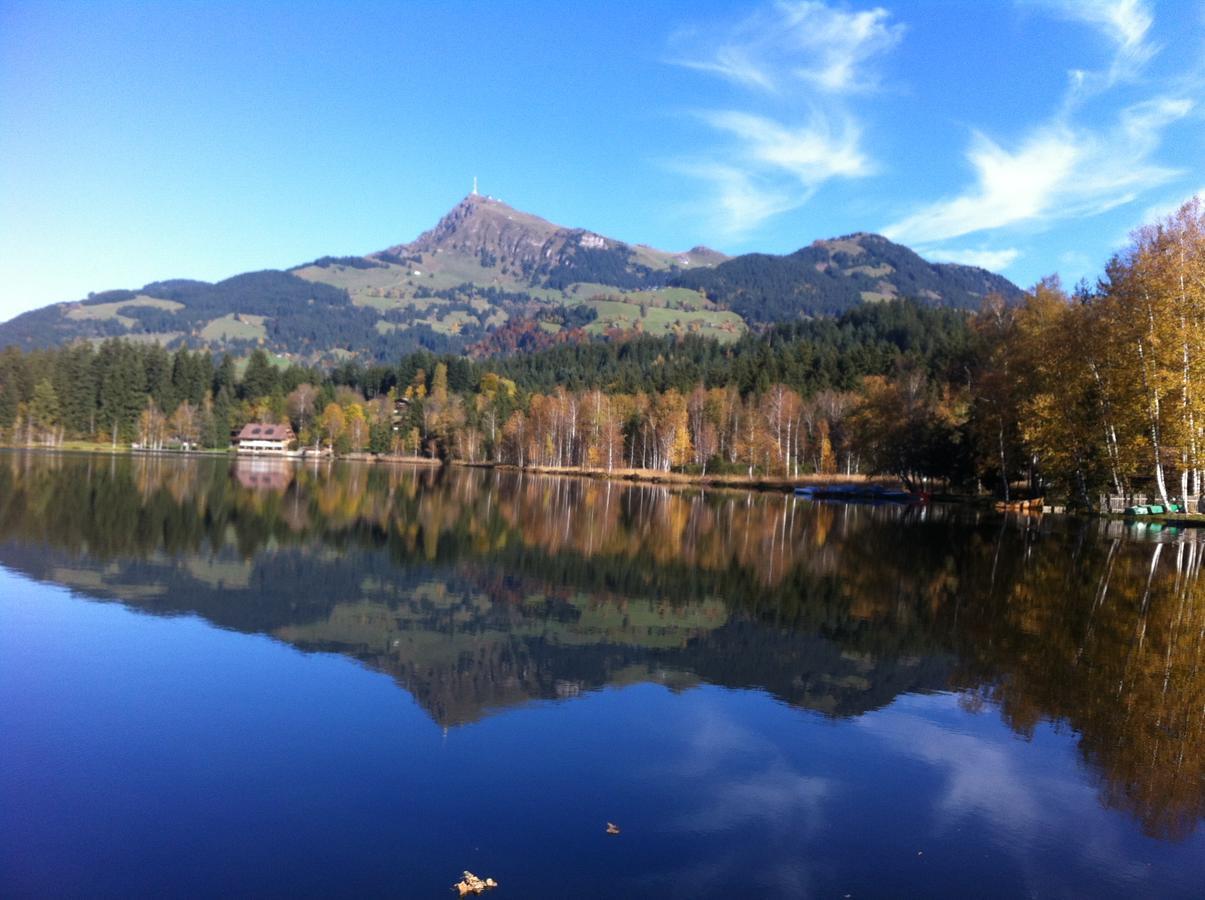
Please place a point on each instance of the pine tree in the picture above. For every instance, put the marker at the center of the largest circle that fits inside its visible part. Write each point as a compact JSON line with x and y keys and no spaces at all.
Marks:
{"x":158,"y":366}
{"x":45,"y":413}
{"x":122,"y":390}
{"x":8,"y":405}
{"x":260,"y":379}
{"x":220,"y":420}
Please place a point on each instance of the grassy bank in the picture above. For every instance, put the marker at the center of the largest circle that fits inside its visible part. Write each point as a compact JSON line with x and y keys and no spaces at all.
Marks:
{"x":106,"y":448}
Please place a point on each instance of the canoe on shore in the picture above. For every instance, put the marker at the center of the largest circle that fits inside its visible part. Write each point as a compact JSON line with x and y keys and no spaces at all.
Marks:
{"x":1155,"y":509}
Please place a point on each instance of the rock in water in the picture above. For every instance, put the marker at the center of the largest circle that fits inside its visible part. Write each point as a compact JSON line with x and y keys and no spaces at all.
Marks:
{"x":471,"y":884}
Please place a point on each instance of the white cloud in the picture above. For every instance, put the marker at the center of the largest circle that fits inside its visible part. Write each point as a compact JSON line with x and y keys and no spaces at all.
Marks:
{"x":1010,"y":187}
{"x":986,"y":776}
{"x":732,"y":63}
{"x":739,"y":200}
{"x":824,"y":47}
{"x":1154,"y":213}
{"x":1062,"y":169}
{"x":994,"y":260}
{"x":1126,"y":24}
{"x":811,"y":153}
{"x":839,"y":44}
{"x":1058,"y":171}
{"x":774,"y":160}
{"x":735,"y":778}
{"x":767,"y":167}
{"x":1168,"y":207}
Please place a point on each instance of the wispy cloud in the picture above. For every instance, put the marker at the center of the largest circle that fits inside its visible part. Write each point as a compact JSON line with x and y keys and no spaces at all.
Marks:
{"x":1058,"y":171}
{"x":824,"y":147}
{"x":1168,"y":207}
{"x":740,"y":199}
{"x":1125,"y":24}
{"x":1154,"y":213}
{"x":738,"y":779}
{"x":780,"y":151}
{"x":804,"y":41}
{"x":1061,"y":168}
{"x":995,"y":260}
{"x":983,"y":776}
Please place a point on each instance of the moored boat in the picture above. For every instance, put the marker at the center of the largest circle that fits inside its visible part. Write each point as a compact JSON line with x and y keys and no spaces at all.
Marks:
{"x":859,"y":493}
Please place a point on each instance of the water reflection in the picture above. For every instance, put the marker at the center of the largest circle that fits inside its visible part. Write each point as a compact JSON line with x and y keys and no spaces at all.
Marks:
{"x":479,"y":592}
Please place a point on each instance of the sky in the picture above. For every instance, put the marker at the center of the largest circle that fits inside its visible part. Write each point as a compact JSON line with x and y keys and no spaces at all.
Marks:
{"x":144,"y":141}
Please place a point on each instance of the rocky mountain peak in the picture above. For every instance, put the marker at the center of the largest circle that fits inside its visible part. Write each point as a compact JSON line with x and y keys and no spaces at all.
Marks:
{"x":483,"y":225}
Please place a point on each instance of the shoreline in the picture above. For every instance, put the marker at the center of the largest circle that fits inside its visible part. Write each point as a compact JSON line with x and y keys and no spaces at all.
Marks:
{"x":760,"y":483}
{"x":82,"y":448}
{"x":778,"y":483}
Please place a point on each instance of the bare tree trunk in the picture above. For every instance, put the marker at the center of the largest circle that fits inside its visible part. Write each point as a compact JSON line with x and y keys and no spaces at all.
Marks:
{"x":1003,"y":458}
{"x":1153,"y":415}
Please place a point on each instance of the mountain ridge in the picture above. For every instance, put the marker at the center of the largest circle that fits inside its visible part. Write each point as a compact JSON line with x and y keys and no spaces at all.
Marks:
{"x":831,"y":275}
{"x":486,"y":265}
{"x":485,"y":228}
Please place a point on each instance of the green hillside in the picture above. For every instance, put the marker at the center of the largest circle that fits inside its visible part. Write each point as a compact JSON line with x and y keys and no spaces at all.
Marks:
{"x":489,"y":277}
{"x":832,"y":276}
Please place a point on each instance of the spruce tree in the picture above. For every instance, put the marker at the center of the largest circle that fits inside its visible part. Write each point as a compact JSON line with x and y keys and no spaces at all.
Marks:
{"x":45,"y":414}
{"x":260,"y":379}
{"x":158,"y":366}
{"x":218,"y":437}
{"x":74,"y":381}
{"x":8,"y":405}
{"x":224,"y":377}
{"x":122,"y":391}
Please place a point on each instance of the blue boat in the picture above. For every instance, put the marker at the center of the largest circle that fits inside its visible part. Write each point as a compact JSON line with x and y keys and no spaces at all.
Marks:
{"x":858,"y":493}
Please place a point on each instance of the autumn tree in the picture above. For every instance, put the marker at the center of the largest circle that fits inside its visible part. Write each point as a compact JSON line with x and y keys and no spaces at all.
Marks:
{"x":301,"y":404}
{"x":152,"y":426}
{"x":993,"y":386}
{"x":355,"y":427}
{"x":184,"y":423}
{"x":333,"y":423}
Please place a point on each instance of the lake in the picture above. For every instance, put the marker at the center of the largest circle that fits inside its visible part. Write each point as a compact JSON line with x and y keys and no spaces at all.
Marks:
{"x":256,"y":678}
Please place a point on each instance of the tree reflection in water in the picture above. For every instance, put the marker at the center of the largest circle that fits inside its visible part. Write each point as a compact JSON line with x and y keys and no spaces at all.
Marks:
{"x":478,"y":591}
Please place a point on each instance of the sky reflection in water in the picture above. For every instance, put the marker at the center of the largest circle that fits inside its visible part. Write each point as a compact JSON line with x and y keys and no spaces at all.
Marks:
{"x":764,"y":694}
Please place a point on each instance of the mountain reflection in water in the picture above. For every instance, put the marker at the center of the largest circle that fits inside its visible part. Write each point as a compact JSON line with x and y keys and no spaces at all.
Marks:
{"x":479,"y":591}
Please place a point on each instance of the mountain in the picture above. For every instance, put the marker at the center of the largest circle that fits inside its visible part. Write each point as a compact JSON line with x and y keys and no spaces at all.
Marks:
{"x":830,"y":276}
{"x":489,"y":276}
{"x":521,"y":250}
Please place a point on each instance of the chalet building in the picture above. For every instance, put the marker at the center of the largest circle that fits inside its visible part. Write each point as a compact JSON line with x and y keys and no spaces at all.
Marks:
{"x":259,"y":438}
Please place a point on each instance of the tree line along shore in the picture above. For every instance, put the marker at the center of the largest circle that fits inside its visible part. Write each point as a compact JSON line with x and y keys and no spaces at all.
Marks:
{"x":1075,"y":394}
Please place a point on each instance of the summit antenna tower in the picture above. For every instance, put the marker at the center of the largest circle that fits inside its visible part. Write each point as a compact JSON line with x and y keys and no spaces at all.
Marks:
{"x":474,"y":185}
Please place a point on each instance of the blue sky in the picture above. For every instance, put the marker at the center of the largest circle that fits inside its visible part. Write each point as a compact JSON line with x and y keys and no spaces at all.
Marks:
{"x":156,"y":140}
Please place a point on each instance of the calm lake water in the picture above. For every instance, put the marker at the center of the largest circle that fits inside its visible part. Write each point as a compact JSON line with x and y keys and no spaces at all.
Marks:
{"x":259,"y":679}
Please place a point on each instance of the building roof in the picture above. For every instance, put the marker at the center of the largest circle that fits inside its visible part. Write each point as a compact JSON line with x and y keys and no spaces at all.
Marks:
{"x":257,"y":431}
